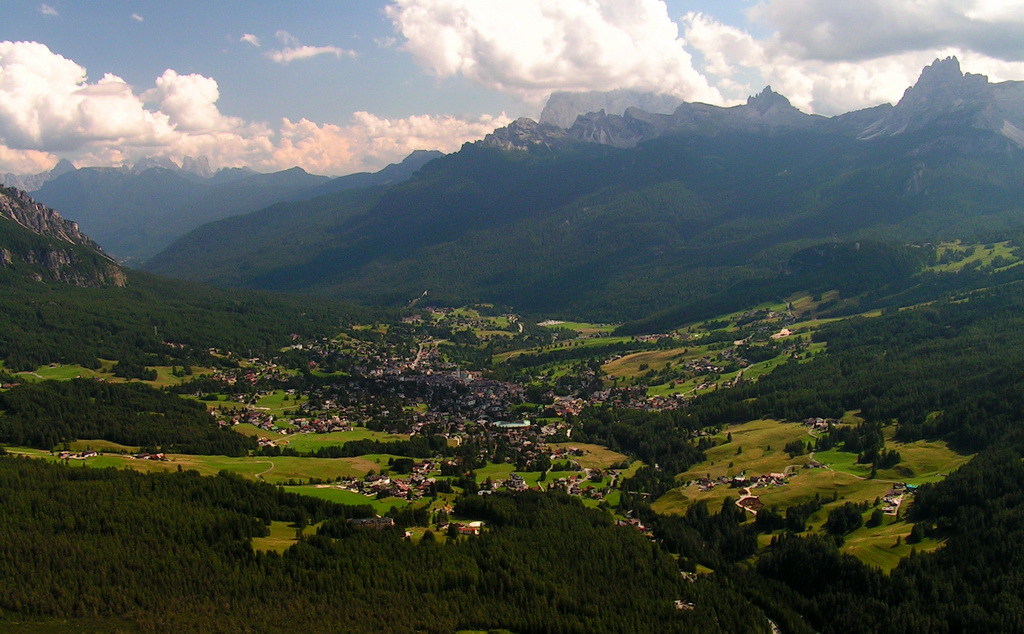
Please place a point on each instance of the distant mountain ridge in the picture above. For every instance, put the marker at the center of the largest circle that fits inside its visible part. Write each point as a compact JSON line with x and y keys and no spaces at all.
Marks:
{"x":621,"y":215}
{"x":32,"y":182}
{"x":136,"y":212}
{"x":943,"y":95}
{"x":562,"y":108}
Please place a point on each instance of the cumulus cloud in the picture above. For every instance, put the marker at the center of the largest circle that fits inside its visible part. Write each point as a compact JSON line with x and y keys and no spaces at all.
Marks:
{"x":869,"y":29}
{"x":830,"y":57}
{"x":26,"y":161}
{"x":532,"y":47}
{"x":48,"y":107}
{"x":48,"y":11}
{"x":370,"y":142}
{"x":47,"y":104}
{"x":190,"y":102}
{"x":827,"y":57}
{"x":249,"y":38}
{"x":295,"y":50}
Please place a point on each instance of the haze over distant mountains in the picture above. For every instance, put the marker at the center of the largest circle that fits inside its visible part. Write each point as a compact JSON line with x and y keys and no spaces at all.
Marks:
{"x":619,"y":215}
{"x":135,"y":212}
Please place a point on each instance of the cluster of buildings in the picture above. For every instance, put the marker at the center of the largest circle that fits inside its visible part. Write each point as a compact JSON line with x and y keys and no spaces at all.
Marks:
{"x":742,"y":481}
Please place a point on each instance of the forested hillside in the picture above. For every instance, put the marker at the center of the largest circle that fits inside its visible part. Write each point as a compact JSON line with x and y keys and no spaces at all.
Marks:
{"x":134,"y":324}
{"x":171,"y":552}
{"x":613,"y":233}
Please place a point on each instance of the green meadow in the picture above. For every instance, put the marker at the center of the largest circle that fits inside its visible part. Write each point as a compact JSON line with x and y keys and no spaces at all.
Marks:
{"x":312,"y":442}
{"x":757,"y":448}
{"x":333,"y":494}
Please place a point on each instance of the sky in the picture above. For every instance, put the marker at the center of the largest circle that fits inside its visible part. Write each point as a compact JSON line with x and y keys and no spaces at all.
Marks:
{"x":343,"y":86}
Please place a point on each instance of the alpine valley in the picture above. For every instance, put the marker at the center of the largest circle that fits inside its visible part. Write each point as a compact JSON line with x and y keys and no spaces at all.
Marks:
{"x":674,"y":369}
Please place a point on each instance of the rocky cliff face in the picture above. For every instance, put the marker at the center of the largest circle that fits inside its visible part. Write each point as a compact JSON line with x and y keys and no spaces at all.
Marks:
{"x":37,"y":241}
{"x":524,"y":133}
{"x":767,"y":111}
{"x":943,"y":97}
{"x":562,"y":108}
{"x":946,"y":97}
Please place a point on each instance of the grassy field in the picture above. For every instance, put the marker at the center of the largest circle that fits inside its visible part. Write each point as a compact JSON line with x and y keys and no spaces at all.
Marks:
{"x":629,"y":365}
{"x":282,"y":536}
{"x":247,"y":429}
{"x":842,"y":478}
{"x":348,"y":497}
{"x":877,"y":546}
{"x":921,"y":461}
{"x":582,"y":343}
{"x":279,"y":403}
{"x":583,"y":328}
{"x":276,"y":470}
{"x":57,"y":372}
{"x":759,"y":443}
{"x":101,"y":446}
{"x":594,"y":456}
{"x":976,"y":254}
{"x":312,"y":442}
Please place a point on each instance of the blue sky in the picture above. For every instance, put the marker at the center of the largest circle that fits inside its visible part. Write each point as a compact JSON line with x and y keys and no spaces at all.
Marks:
{"x":351,"y":85}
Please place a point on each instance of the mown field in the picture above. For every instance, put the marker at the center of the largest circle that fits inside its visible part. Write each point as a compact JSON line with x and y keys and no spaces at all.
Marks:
{"x":276,"y":470}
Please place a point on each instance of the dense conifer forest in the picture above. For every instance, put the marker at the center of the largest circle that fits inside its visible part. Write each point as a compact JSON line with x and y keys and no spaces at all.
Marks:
{"x":47,"y":415}
{"x":62,"y":324}
{"x":171,"y":551}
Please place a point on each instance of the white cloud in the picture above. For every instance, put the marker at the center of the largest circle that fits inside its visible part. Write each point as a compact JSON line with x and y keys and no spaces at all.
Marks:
{"x":137,"y":17}
{"x":49,"y":106}
{"x":26,"y":161}
{"x":826,"y":56}
{"x":291,"y":54}
{"x":250,"y":39}
{"x":49,"y":11}
{"x":532,"y":47}
{"x":869,"y":29}
{"x":190,"y":102}
{"x":295,"y":50}
{"x":370,"y":142}
{"x":830,"y":57}
{"x":287,"y":38}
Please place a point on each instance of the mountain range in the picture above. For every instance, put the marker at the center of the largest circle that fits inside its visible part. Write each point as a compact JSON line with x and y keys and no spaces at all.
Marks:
{"x":621,"y":215}
{"x":135,"y":212}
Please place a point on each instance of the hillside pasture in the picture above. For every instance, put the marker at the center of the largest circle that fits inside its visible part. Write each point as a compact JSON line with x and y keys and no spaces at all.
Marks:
{"x":312,"y":442}
{"x":334,"y":494}
{"x":594,"y":456}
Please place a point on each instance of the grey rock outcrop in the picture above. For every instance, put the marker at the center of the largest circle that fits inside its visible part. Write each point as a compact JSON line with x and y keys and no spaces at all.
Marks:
{"x":562,"y":108}
{"x":60,"y":252}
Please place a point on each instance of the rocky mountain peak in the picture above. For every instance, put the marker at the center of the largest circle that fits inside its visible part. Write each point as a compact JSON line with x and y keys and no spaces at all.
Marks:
{"x":199,"y":166}
{"x":525,"y":133}
{"x":944,"y":96}
{"x":62,"y":167}
{"x":562,"y":108}
{"x":161,"y":162}
{"x":32,"y":182}
{"x":943,"y":84}
{"x":60,"y":252}
{"x":767,"y":100}
{"x":941,"y":71}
